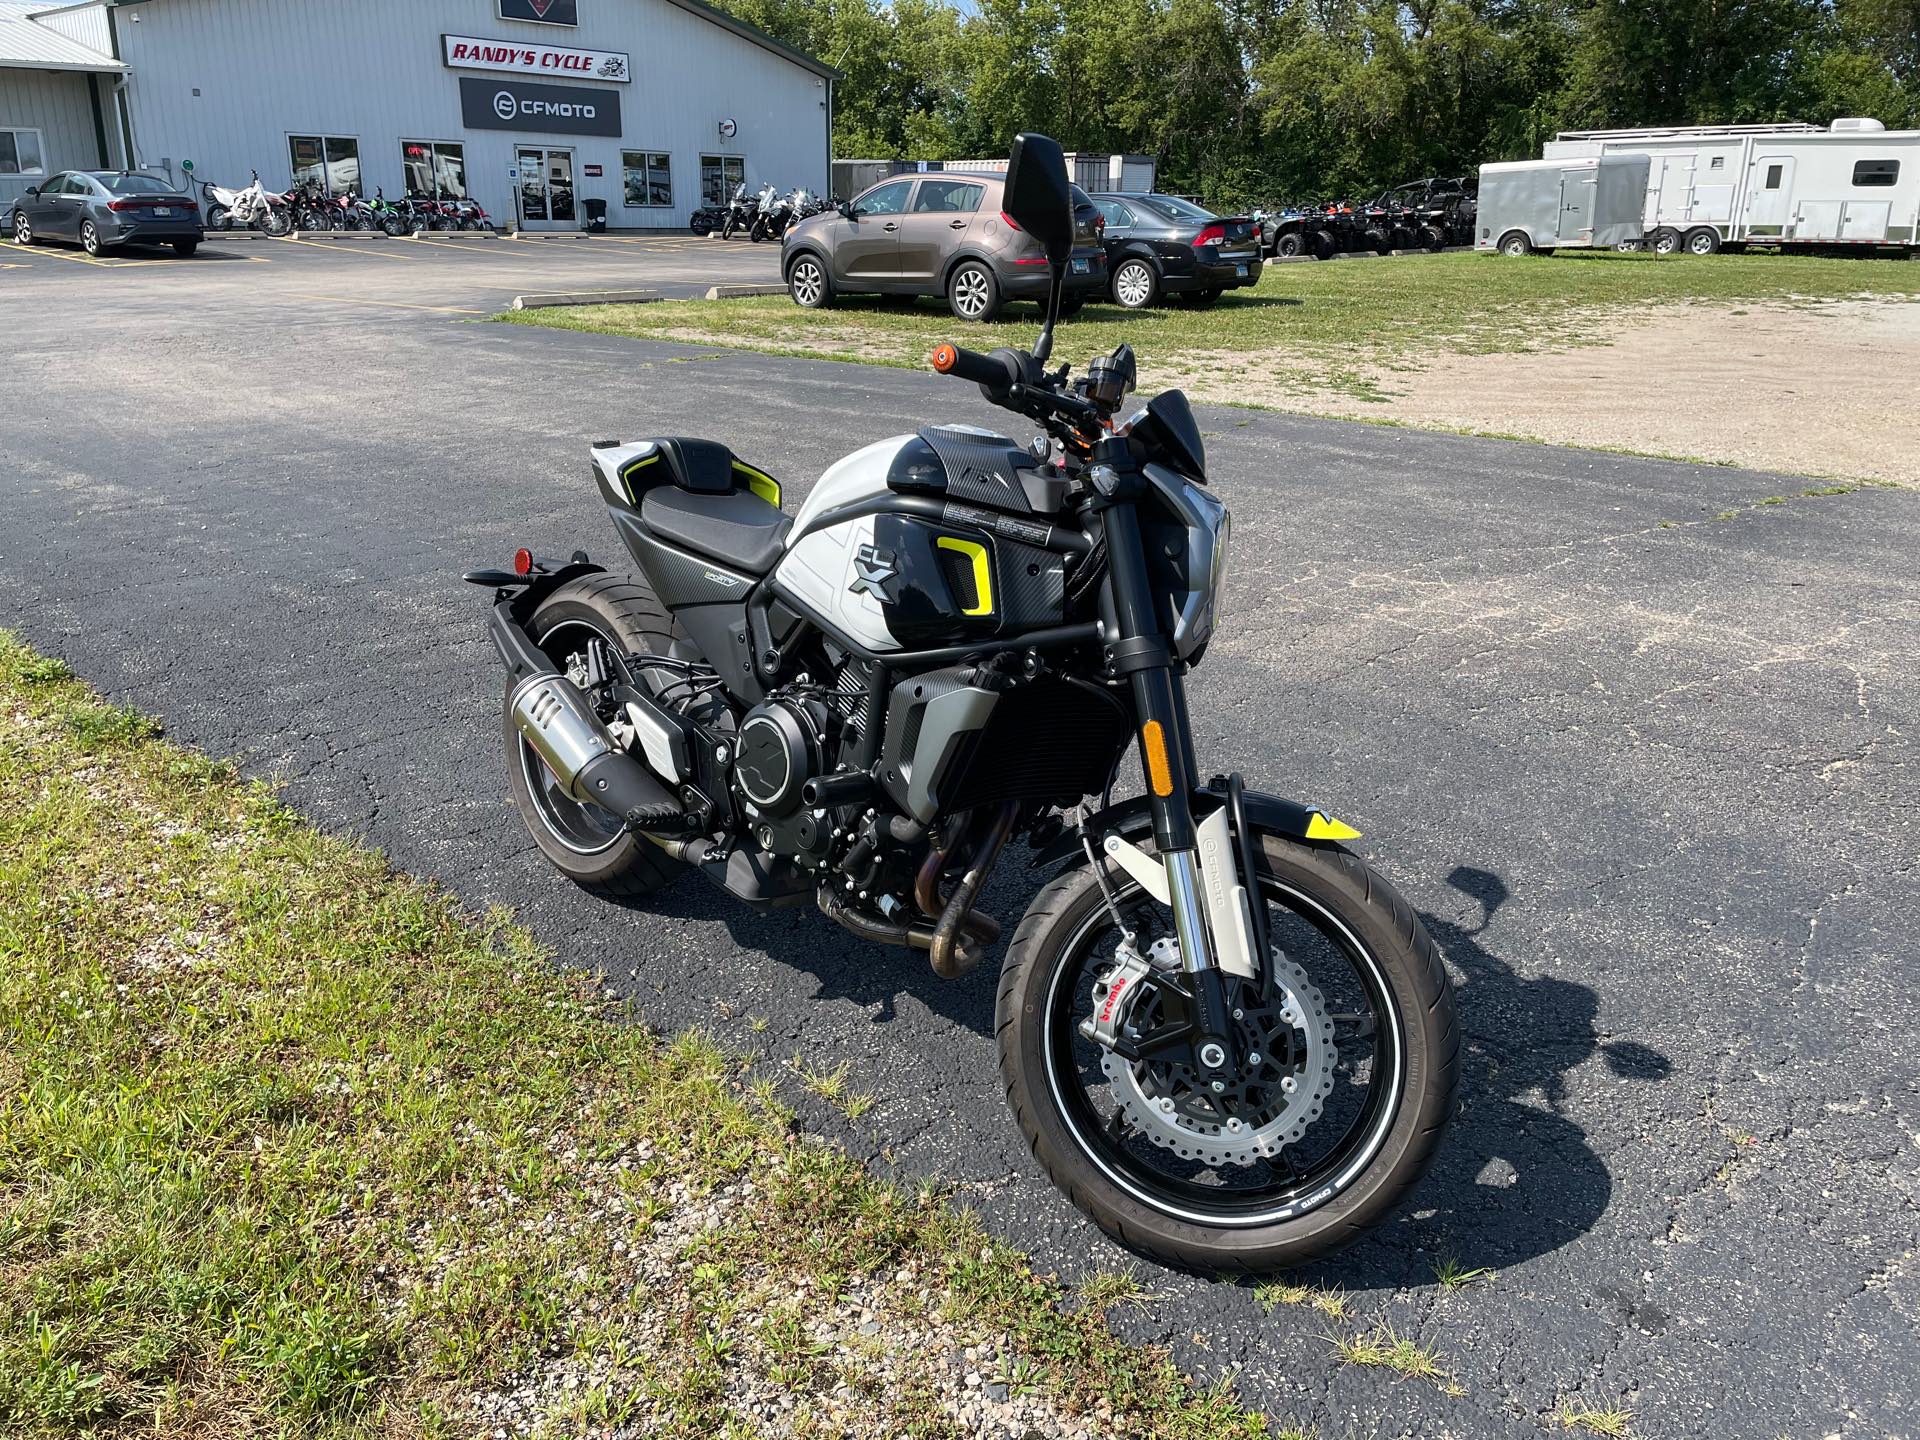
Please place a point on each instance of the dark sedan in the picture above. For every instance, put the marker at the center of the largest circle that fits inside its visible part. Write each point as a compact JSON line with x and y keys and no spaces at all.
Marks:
{"x":100,"y":210}
{"x":1163,"y":245}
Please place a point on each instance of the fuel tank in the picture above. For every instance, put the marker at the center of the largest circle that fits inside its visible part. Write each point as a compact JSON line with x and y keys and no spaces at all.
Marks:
{"x":938,"y":538}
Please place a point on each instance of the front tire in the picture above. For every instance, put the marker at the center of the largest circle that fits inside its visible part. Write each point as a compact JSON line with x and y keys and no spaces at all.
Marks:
{"x":809,"y":284}
{"x":23,"y":230}
{"x":584,"y":843}
{"x":1233,"y":1224}
{"x":1287,"y":246}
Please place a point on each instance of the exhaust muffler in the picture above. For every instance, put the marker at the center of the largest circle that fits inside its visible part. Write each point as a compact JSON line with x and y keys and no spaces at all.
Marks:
{"x":553,"y":715}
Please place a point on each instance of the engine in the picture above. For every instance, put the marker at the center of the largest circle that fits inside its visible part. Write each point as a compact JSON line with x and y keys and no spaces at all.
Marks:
{"x":780,"y":745}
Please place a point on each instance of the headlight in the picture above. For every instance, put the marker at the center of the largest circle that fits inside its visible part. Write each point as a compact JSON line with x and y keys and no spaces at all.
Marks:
{"x":1201,"y":562}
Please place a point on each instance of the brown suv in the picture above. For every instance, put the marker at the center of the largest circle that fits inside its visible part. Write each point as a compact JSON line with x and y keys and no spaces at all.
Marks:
{"x":937,"y":234}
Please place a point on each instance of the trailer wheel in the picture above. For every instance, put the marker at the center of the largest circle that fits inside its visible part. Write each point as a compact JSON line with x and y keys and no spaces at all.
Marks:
{"x":1704,"y":241}
{"x":1664,"y":241}
{"x":1288,"y":245}
{"x":1515,"y":242}
{"x":1322,"y":245}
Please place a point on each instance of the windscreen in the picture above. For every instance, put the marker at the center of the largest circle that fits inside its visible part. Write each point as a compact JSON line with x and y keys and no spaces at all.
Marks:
{"x":1175,"y":209}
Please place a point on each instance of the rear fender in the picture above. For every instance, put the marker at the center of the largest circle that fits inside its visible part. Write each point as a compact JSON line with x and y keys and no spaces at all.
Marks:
{"x":1133,"y":820}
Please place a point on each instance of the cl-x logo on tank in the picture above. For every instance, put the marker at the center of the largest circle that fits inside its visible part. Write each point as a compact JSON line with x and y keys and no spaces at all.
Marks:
{"x":542,"y":12}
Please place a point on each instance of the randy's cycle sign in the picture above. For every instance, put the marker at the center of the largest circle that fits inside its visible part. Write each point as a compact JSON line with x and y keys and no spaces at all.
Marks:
{"x":559,"y":62}
{"x":548,"y":109}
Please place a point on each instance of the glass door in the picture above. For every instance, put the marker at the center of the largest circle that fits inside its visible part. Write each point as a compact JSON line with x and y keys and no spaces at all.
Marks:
{"x":532,"y":165}
{"x":560,"y":187}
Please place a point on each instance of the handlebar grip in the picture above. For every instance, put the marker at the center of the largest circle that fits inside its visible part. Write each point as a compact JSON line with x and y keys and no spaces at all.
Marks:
{"x":971,"y":365}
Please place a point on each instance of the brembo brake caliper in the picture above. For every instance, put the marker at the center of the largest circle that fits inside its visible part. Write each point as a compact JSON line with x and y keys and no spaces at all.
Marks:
{"x":1114,"y":995}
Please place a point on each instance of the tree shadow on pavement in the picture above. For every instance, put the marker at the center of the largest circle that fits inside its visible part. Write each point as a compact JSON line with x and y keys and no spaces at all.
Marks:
{"x":1515,"y":1177}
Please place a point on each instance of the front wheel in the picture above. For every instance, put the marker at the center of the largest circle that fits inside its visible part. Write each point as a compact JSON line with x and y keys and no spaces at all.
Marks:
{"x":809,"y":284}
{"x":1346,"y":1082}
{"x":22,"y":229}
{"x":279,"y":221}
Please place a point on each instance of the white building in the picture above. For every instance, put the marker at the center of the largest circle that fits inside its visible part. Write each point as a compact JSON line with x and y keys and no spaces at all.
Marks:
{"x":532,"y":107}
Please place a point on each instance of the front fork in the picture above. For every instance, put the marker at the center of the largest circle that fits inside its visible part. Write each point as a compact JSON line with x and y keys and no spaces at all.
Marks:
{"x":1141,"y":652}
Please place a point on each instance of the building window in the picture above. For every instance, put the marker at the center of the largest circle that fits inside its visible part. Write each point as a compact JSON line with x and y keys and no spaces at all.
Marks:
{"x":21,"y":153}
{"x":1719,"y":162}
{"x":1773,"y":177}
{"x":720,"y":176}
{"x":330,"y":161}
{"x":649,"y":177}
{"x":1876,"y":172}
{"x":434,"y":168}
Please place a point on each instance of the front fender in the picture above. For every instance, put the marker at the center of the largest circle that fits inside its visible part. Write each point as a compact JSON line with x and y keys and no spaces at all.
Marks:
{"x":1131,"y":819}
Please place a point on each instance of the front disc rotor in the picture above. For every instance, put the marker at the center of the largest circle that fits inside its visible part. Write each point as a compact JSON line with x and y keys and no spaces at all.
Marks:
{"x":1263,"y":1109}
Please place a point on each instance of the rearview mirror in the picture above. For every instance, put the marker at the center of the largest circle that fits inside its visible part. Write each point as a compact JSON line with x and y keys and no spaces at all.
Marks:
{"x":1038,"y":196}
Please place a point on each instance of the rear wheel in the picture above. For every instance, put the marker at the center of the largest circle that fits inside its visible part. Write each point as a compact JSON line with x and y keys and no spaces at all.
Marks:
{"x":1288,"y":245}
{"x":1135,"y":285}
{"x":219,"y":218}
{"x":588,"y":845}
{"x":1322,"y":246}
{"x":185,"y":248}
{"x":973,"y":294}
{"x":1347,"y":1081}
{"x":1203,"y":297}
{"x":1433,"y":239}
{"x":1071,"y":305}
{"x":90,"y":237}
{"x":1665,"y":241}
{"x":1703,"y":242}
{"x":1515,"y":242}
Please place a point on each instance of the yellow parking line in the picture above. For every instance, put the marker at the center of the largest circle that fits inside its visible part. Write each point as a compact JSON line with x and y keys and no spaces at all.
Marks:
{"x":77,"y":259}
{"x":459,"y":246}
{"x":350,"y":249}
{"x":393,"y":304}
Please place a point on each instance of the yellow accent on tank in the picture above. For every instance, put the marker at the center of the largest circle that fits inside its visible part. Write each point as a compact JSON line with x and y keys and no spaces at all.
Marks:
{"x":982,"y":571}
{"x":1322,"y":826}
{"x":761,"y":484}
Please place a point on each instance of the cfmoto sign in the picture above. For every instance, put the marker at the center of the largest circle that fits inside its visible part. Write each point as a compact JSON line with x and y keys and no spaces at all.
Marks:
{"x":539,"y":109}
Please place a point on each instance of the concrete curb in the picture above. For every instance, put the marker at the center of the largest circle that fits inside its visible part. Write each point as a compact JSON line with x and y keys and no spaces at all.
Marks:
{"x":451,"y":235}
{"x":549,"y":235}
{"x":742,"y":292}
{"x":584,"y":297}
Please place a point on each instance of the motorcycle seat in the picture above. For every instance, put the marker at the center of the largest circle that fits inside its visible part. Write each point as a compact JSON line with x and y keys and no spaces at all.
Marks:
{"x":737,"y":529}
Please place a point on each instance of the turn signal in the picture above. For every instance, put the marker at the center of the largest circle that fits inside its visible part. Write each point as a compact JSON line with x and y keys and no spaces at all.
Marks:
{"x":1153,"y":744}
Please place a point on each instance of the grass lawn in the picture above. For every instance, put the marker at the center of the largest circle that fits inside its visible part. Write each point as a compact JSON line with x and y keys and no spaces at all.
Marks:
{"x":1334,"y":325}
{"x":291,"y":1145}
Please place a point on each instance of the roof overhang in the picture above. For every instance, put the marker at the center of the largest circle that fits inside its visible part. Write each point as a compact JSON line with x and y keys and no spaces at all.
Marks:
{"x":746,"y":32}
{"x":105,"y":67}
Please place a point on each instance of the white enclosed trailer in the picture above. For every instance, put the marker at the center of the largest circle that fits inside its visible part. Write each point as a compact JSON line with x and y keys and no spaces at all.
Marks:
{"x":1853,"y":184}
{"x":1583,"y":203}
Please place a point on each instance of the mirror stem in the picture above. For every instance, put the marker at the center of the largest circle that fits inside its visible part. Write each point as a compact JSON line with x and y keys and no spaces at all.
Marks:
{"x":1043,"y":347}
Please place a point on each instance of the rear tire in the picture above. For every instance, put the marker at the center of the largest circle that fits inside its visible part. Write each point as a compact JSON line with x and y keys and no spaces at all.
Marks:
{"x":625,"y":613}
{"x":1135,"y":285}
{"x":219,"y":218}
{"x":973,"y":294}
{"x":185,"y":248}
{"x":1321,"y":245}
{"x":90,"y":238}
{"x":1287,"y":246}
{"x":1703,"y":241}
{"x":1404,"y":1142}
{"x":1515,"y":243}
{"x":1664,"y":241}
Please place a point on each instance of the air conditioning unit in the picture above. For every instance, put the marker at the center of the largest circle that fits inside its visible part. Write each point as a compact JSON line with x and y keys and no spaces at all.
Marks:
{"x":1855,"y":125}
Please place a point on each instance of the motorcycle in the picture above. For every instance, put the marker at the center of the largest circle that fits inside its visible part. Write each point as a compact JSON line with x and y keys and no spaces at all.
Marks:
{"x":1228,"y":1040}
{"x":740,"y":212}
{"x":777,"y":212}
{"x":308,"y":205}
{"x":707,"y":219}
{"x":469,"y":214}
{"x":394,"y":219}
{"x":253,"y":208}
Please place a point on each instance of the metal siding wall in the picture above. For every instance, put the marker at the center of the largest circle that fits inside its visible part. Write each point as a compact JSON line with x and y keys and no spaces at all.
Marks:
{"x":86,"y":24}
{"x":372,"y":70}
{"x":54,"y":102}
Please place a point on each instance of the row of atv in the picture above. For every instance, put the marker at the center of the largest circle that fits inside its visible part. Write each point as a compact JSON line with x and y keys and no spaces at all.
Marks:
{"x":1421,"y":215}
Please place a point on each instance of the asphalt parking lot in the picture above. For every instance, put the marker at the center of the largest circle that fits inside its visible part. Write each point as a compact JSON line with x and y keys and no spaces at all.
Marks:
{"x":1636,"y":737}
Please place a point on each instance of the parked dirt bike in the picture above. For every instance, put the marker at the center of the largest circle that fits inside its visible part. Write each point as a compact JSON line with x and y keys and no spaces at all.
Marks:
{"x":1227,"y":1040}
{"x":253,"y":208}
{"x":392,"y":218}
{"x":469,"y":214}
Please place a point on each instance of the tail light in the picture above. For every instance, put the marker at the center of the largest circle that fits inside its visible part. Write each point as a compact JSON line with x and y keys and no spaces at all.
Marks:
{"x":1212,"y":235}
{"x":1008,"y":221}
{"x":523,"y":561}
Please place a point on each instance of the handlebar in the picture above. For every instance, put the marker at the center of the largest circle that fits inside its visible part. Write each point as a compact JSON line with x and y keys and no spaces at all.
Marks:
{"x":972,"y":365}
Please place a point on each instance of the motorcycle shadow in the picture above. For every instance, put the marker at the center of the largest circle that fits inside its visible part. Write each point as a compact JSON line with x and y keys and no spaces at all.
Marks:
{"x":1516,"y":1178}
